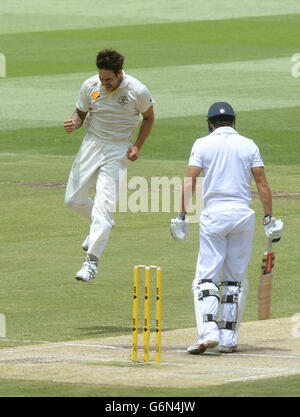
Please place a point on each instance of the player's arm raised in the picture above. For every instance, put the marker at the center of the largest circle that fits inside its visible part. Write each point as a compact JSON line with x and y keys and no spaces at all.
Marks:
{"x":75,"y":122}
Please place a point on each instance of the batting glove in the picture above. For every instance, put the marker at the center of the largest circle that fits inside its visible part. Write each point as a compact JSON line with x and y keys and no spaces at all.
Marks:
{"x":179,"y":229}
{"x":273,"y":228}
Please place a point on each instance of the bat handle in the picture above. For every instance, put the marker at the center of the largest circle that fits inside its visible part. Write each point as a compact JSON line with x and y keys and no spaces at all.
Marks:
{"x":269,"y":249}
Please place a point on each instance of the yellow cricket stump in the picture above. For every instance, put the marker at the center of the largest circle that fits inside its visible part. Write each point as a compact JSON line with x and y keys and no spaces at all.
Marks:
{"x":146,"y":327}
{"x":135,"y":329}
{"x":158,"y":314}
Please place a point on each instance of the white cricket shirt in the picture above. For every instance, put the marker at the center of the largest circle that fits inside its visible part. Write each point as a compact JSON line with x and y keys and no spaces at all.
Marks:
{"x":226,"y":159}
{"x":113,"y":116}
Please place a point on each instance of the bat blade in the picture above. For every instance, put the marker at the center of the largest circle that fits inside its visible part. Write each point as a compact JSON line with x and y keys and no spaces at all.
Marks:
{"x":265,"y":284}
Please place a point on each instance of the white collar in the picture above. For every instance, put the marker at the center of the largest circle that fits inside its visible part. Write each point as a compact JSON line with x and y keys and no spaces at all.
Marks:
{"x":224,"y":129}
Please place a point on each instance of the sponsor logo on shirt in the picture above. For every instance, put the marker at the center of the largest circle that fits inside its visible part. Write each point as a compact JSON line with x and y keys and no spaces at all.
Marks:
{"x":95,"y":95}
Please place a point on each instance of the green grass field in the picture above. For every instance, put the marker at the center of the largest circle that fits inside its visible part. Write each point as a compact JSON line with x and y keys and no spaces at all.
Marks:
{"x":188,"y":59}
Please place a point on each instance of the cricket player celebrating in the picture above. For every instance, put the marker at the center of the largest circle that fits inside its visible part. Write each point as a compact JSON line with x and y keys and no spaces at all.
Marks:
{"x":110,"y":103}
{"x":227,"y":161}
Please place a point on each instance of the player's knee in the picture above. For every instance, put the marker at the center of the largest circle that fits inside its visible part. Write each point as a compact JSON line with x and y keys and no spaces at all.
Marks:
{"x":195,"y":285}
{"x":70,"y":203}
{"x":73,"y":204}
{"x":205,"y":288}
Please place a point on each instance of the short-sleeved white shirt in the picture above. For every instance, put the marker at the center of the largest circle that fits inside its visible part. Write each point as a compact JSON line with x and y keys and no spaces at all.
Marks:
{"x":226,"y":159}
{"x":115,"y":116}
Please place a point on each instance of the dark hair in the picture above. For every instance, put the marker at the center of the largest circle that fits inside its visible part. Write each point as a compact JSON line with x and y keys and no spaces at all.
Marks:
{"x":108,"y":59}
{"x":222,"y":120}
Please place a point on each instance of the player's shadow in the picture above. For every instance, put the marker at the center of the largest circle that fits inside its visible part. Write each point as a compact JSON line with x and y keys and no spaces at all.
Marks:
{"x":103,"y":330}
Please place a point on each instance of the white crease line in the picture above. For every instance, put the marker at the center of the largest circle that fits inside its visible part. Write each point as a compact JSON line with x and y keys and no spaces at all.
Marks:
{"x":262,"y":376}
{"x":96,"y":346}
{"x":246,"y":354}
{"x":124,"y":348}
{"x":59,"y":344}
{"x":266,"y":356}
{"x":162,"y":363}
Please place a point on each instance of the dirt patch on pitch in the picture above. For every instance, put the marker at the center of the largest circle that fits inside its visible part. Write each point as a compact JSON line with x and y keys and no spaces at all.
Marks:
{"x":37,"y":184}
{"x":268,"y":348}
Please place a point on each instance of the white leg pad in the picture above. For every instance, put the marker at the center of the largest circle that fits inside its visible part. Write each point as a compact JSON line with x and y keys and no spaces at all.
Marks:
{"x":198,"y":314}
{"x":206,"y":305}
{"x":232,"y":310}
{"x":241,"y":306}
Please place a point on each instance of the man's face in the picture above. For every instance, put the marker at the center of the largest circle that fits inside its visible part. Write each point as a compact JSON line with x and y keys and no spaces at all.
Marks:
{"x":110,"y":80}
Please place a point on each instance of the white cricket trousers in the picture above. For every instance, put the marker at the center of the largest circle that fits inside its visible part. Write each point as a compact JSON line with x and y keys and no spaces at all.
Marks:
{"x":104,"y":165}
{"x":226,"y":238}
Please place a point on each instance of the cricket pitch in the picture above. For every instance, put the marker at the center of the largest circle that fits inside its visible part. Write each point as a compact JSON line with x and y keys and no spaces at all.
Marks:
{"x":267,"y":348}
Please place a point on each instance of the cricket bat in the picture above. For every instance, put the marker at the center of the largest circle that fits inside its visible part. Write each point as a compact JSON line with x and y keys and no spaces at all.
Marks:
{"x":265,"y":283}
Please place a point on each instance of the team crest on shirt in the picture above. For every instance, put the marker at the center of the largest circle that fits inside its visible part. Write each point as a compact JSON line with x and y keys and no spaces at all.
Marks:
{"x":123,"y":100}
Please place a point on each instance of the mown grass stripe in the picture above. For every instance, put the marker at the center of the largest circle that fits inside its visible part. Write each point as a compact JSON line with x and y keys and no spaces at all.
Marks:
{"x":179,"y":91}
{"x":30,"y":15}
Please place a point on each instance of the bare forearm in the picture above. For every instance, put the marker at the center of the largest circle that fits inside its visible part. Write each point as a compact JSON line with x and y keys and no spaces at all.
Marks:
{"x":187,"y":193}
{"x":77,"y":119}
{"x":265,"y":196}
{"x":145,"y":129}
{"x":144,"y":132}
{"x":189,"y":187}
{"x":263,"y":189}
{"x":75,"y":122}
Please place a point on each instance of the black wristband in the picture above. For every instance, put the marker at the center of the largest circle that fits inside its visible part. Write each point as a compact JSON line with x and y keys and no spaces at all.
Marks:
{"x":181,"y":215}
{"x":267,"y":219}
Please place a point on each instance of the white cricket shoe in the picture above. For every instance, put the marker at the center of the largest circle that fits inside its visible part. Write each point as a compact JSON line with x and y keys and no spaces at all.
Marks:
{"x":198,"y":348}
{"x":85,"y":244}
{"x":228,"y":349}
{"x":87,"y":272}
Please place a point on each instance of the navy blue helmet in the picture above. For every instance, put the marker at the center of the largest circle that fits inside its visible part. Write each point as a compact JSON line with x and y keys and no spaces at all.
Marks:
{"x":218,"y":110}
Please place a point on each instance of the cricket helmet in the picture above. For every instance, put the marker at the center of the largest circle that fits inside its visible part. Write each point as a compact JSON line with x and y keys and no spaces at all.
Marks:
{"x":221,"y":108}
{"x":220,"y":111}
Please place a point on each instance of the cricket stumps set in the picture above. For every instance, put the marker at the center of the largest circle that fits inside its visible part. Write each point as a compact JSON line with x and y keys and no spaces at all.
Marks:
{"x":146,"y":326}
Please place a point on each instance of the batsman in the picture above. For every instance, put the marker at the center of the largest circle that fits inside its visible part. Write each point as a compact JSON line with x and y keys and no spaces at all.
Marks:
{"x":227,"y":161}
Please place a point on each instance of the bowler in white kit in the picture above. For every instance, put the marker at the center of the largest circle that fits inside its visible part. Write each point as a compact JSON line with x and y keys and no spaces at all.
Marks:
{"x":110,"y":103}
{"x":227,"y":161}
